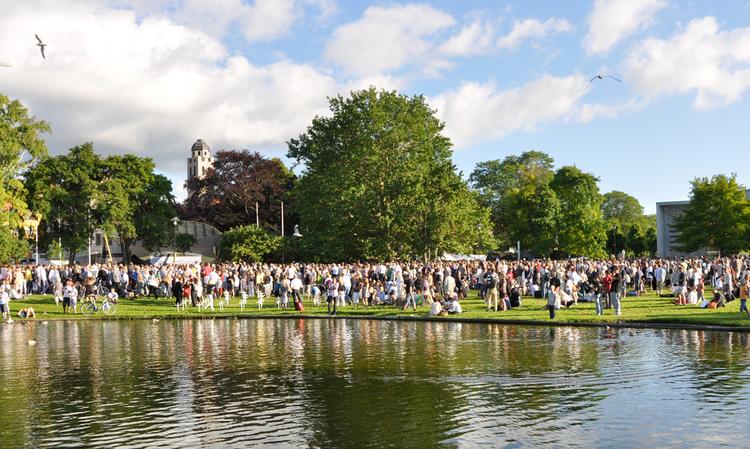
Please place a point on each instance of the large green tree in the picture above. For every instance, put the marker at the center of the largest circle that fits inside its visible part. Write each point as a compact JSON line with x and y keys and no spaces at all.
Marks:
{"x":621,"y":209}
{"x":533,"y":212}
{"x":378,"y":182}
{"x":20,"y":147}
{"x":717,"y":216}
{"x":497,"y":183}
{"x":581,"y":228}
{"x":80,"y":191}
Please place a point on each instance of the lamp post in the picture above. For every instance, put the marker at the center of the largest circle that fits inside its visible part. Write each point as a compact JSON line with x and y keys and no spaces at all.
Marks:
{"x":175,"y":222}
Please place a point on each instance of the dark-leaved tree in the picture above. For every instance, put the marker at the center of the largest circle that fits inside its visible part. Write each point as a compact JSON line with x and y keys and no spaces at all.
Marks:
{"x":227,"y":195}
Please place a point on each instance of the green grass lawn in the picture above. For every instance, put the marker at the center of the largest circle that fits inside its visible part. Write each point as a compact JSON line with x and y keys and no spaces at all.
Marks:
{"x":644,"y":309}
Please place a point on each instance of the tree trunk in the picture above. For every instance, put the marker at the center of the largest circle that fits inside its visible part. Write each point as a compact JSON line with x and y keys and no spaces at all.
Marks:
{"x":125,"y":246}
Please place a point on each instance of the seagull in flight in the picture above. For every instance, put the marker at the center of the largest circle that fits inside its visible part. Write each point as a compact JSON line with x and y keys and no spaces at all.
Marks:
{"x":41,"y":45}
{"x":599,"y":77}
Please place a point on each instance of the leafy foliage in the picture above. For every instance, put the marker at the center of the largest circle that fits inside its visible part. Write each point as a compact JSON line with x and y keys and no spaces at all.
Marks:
{"x":497,"y":181}
{"x":225,"y":197}
{"x":717,"y":216}
{"x":581,"y":229}
{"x":248,"y":243}
{"x":20,"y":147}
{"x":378,"y":182}
{"x":533,"y":214}
{"x":80,"y":191}
{"x":184,"y":242}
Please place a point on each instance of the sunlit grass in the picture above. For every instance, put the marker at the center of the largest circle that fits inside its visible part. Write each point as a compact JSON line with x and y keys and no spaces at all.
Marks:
{"x":644,"y":309}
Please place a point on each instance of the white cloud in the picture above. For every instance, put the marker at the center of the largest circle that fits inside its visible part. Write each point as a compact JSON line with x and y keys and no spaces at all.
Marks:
{"x":477,"y":112}
{"x":613,"y":20}
{"x":473,"y":39}
{"x":533,"y":29}
{"x":703,"y":59}
{"x":149,"y":86}
{"x":386,"y":38}
{"x":257,"y":20}
{"x":267,"y":19}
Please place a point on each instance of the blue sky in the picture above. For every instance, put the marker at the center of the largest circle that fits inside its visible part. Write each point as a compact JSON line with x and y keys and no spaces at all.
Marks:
{"x":151,"y":77}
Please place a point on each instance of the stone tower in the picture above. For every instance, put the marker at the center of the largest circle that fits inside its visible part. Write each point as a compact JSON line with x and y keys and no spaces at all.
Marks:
{"x":200,"y":160}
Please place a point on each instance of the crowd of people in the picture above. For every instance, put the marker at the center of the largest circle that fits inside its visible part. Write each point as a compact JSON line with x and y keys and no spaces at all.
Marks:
{"x":438,"y":285}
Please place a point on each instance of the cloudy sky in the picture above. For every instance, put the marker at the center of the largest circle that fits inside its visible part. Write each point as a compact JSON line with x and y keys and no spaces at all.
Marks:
{"x":152,"y":76}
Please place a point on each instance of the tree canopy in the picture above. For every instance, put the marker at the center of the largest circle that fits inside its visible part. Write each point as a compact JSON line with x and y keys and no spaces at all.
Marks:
{"x":499,"y":182}
{"x":80,"y":191}
{"x":21,"y":146}
{"x":226,"y":196}
{"x":378,"y":182}
{"x":581,"y":230}
{"x":717,"y":216}
{"x":249,"y":243}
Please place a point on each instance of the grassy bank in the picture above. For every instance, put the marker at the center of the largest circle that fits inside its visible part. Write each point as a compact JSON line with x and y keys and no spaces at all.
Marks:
{"x":645,"y":309}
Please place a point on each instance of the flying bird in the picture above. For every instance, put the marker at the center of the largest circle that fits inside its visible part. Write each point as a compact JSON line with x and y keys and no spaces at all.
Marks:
{"x":599,"y":77}
{"x":41,"y":45}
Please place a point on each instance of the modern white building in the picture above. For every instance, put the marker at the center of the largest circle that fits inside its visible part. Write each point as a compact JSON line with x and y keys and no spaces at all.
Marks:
{"x":666,"y":236}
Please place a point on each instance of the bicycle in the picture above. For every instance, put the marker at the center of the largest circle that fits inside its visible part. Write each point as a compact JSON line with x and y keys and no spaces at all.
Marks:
{"x":108,"y":306}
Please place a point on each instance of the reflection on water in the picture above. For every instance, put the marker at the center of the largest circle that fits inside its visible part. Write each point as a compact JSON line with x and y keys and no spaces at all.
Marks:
{"x":359,"y":383}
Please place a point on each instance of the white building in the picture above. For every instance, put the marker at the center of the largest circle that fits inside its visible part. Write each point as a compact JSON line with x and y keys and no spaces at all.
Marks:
{"x":666,"y":236}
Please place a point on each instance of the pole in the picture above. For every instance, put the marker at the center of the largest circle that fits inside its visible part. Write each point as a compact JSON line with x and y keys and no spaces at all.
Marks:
{"x":59,"y":244}
{"x":257,"y":217}
{"x":174,"y":245}
{"x":36,"y":244}
{"x":283,"y":252}
{"x":518,"y":249}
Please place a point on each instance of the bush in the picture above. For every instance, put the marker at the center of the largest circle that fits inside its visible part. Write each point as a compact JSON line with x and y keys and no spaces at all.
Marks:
{"x":248,"y":243}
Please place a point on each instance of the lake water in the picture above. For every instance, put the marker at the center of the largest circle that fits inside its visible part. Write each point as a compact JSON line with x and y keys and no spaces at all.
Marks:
{"x":361,"y":383}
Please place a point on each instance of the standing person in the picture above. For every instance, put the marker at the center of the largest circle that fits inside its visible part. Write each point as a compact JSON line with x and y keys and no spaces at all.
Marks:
{"x":614,"y":294}
{"x":553,"y":301}
{"x":490,"y":289}
{"x":5,"y":298}
{"x":177,"y":290}
{"x":661,"y":276}
{"x":331,"y":294}
{"x":296,"y":286}
{"x":70,"y":296}
{"x":409,"y":286}
{"x":607,"y":288}
{"x":744,"y":293}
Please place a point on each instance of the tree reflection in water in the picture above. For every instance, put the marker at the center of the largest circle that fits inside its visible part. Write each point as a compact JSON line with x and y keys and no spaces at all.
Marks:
{"x":365,"y":383}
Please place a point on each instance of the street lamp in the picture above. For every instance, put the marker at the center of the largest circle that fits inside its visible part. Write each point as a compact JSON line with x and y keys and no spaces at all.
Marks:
{"x":175,"y":222}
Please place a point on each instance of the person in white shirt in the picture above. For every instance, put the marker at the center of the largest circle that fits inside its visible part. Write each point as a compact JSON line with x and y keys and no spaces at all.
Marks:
{"x":5,"y":298}
{"x":435,"y":308}
{"x":661,"y":276}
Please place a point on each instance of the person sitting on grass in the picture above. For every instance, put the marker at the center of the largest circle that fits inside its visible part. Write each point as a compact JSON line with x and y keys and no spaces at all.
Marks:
{"x":112,"y":295}
{"x":26,"y":312}
{"x":451,"y":304}
{"x":436,"y":308}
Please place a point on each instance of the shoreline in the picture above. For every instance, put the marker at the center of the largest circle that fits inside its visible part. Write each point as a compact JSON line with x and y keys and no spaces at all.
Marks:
{"x":408,"y":318}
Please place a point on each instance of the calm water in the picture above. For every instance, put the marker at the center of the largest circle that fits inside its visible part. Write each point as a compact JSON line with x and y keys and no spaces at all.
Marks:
{"x":357,"y":384}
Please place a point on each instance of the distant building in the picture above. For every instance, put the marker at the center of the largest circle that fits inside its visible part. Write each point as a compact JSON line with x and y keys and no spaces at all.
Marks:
{"x":200,"y":160}
{"x":207,"y":241}
{"x":666,"y":235}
